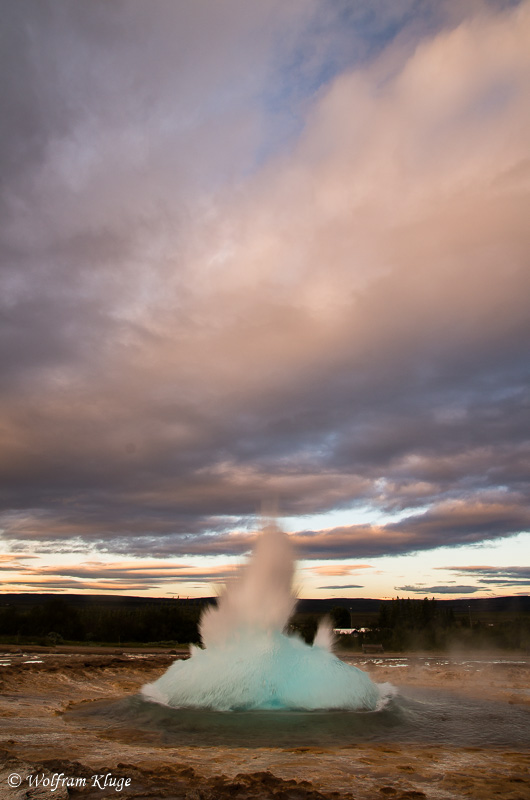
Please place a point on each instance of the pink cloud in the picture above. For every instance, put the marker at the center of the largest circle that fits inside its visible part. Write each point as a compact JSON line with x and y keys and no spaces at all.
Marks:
{"x":338,"y":569}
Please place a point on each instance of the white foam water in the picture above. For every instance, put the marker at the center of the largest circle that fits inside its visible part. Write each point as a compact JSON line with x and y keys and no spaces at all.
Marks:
{"x":248,"y":663}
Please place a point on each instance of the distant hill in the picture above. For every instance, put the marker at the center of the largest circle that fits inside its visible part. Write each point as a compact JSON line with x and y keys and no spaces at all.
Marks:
{"x":28,"y":599}
{"x":510,"y":604}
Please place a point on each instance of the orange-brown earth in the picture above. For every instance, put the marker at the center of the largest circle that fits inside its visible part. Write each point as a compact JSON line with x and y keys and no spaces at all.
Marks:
{"x":38,"y":739}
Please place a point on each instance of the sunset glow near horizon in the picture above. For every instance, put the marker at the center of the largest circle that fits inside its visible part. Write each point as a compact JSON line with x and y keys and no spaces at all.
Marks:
{"x":269,"y":255}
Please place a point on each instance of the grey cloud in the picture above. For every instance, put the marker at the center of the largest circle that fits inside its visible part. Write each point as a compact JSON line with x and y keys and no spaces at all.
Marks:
{"x":425,"y":590}
{"x":501,"y":582}
{"x":500,"y":572}
{"x":495,"y":576}
{"x":78,"y":585}
{"x":186,"y":334}
{"x":448,"y":525}
{"x":113,"y":576}
{"x":343,"y":586}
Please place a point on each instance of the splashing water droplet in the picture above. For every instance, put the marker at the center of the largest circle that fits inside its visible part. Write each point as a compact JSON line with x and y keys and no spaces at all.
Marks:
{"x":248,"y":662}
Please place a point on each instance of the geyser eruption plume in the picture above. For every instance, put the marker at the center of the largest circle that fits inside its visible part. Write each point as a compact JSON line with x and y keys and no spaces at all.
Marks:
{"x":259,"y":599}
{"x":248,"y":662}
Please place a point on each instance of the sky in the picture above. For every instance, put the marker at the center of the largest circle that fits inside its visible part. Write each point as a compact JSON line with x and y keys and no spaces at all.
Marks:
{"x":265,"y":257}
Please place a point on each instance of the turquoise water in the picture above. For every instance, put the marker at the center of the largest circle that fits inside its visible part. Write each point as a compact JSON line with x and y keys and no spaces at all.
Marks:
{"x":263,"y":670}
{"x":248,"y":663}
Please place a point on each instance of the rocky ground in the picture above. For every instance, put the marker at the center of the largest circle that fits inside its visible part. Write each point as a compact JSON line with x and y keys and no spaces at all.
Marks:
{"x":39,"y":741}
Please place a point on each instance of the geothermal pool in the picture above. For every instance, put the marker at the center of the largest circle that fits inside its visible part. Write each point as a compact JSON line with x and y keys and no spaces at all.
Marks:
{"x":414,"y":715}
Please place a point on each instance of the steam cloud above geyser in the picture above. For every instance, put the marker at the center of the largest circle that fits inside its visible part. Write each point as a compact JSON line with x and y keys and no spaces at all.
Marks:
{"x":248,"y":662}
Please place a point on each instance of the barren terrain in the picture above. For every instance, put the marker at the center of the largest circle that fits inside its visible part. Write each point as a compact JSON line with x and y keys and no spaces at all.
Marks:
{"x":37,"y":738}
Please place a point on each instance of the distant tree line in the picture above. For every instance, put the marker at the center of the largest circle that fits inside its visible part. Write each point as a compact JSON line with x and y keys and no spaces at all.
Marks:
{"x":57,"y":620}
{"x":405,"y":624}
{"x":400,"y":625}
{"x":414,"y":624}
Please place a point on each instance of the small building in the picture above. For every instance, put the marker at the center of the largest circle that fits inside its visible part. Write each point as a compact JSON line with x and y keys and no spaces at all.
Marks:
{"x":350,"y":631}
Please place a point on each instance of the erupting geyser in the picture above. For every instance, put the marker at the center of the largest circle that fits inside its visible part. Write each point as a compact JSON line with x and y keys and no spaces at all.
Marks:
{"x":249,"y":663}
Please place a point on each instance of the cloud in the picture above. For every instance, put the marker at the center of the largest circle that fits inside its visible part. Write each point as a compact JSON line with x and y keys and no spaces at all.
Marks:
{"x":123,"y":576}
{"x":286,"y":260}
{"x":338,"y":569}
{"x":491,"y":577}
{"x":12,"y":560}
{"x":425,"y":590}
{"x":446,"y":524}
{"x":54,"y":585}
{"x":343,"y":586}
{"x":495,"y":576}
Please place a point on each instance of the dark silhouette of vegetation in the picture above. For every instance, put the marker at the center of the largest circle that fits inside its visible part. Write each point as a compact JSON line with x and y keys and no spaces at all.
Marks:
{"x":340,"y":617}
{"x":405,"y":624}
{"x":398,"y":625}
{"x":305,"y":625}
{"x":414,"y":624}
{"x":56,"y":621}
